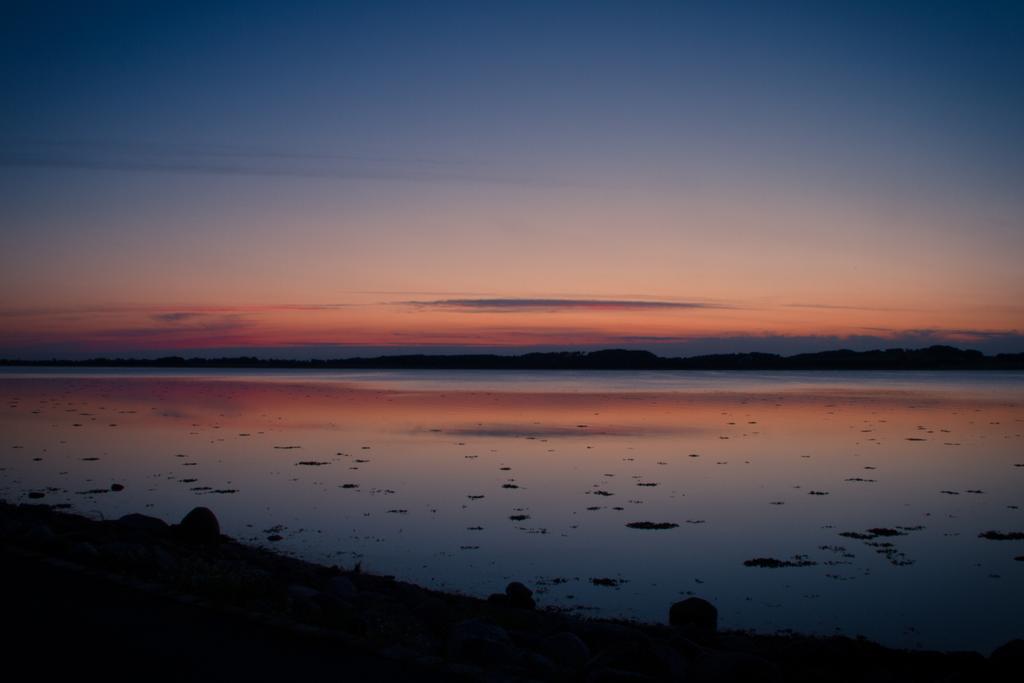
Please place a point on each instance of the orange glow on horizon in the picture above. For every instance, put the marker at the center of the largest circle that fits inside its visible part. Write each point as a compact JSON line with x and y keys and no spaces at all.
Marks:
{"x":399,"y":325}
{"x":691,"y":268}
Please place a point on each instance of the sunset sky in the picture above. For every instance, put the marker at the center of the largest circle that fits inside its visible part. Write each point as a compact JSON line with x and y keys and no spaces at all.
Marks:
{"x":335,"y":179}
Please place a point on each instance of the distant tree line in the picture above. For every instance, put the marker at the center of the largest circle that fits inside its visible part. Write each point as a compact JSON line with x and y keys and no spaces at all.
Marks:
{"x":931,"y":358}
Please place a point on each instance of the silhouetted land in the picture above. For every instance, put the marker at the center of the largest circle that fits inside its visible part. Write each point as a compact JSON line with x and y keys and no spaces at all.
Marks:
{"x":931,"y":358}
{"x":138,"y":598}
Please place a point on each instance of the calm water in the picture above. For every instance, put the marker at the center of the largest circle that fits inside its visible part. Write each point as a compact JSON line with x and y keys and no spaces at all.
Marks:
{"x":466,"y":480}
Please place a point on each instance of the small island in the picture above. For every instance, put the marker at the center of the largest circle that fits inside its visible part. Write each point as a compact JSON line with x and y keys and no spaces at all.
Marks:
{"x":930,"y":358}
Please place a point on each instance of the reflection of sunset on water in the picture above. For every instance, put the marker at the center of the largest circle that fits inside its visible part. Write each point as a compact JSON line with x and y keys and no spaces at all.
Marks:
{"x":398,"y":470}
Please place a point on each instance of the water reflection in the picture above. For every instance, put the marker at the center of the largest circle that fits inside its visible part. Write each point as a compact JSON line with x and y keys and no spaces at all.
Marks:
{"x":868,"y":490}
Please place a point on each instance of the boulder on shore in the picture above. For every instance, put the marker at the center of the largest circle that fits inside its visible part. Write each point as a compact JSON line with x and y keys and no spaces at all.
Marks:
{"x":519,"y":596}
{"x":1009,"y":657}
{"x":695,"y":613}
{"x":565,"y":649}
{"x":143,"y":523}
{"x":200,"y":526}
{"x":481,"y":642}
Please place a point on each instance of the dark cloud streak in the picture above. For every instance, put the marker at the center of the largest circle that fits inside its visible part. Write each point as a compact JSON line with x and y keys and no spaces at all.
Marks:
{"x":514,"y":305}
{"x":229,"y":160}
{"x":177,"y":317}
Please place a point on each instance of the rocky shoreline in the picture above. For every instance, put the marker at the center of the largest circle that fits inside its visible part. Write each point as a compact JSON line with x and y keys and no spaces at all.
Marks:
{"x":389,"y":629}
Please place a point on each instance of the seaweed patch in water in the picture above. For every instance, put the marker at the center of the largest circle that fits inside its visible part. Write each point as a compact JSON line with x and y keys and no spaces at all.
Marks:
{"x":1001,"y":536}
{"x":773,"y":563}
{"x":882,"y":531}
{"x":610,"y":583}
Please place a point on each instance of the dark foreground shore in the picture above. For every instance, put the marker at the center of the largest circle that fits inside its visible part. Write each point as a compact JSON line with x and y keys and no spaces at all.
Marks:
{"x":139,"y":599}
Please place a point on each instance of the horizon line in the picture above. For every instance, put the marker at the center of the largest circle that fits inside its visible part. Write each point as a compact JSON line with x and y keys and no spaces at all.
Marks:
{"x":565,"y":352}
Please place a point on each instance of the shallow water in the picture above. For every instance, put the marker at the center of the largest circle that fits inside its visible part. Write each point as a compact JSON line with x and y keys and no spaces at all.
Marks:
{"x":465,"y":480}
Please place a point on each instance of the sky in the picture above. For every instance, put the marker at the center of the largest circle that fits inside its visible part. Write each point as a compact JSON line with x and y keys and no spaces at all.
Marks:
{"x":325,"y":179}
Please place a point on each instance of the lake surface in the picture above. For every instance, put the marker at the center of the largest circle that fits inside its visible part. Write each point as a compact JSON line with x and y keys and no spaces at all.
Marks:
{"x":465,"y":480}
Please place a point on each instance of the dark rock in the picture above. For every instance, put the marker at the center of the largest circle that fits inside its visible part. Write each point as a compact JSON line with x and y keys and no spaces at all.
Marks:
{"x":523,"y":621}
{"x":84,"y":551}
{"x":646,"y":656}
{"x":960,"y":660}
{"x":480,"y":629}
{"x":684,"y":646}
{"x":670,"y":657}
{"x":1009,"y":653}
{"x":734,"y":666}
{"x":603,"y":635}
{"x":36,"y":495}
{"x":433,"y":611}
{"x":124,"y":552}
{"x":143,"y":523}
{"x":430,"y":662}
{"x":458,"y":671}
{"x":609,"y":675}
{"x":499,"y":599}
{"x":304,"y":601}
{"x":481,"y":642}
{"x":694,"y":613}
{"x":117,"y":487}
{"x":537,"y":664}
{"x":164,"y":561}
{"x":341,"y":587}
{"x":566,"y":649}
{"x":40,"y":534}
{"x":519,"y":596}
{"x":200,"y":526}
{"x":297,"y":591}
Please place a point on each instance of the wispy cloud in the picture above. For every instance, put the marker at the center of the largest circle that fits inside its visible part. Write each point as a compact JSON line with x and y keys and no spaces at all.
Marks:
{"x":235,"y":160}
{"x":839,"y":307}
{"x":940,"y":335}
{"x":176,"y":317}
{"x":516,"y":305}
{"x":218,"y":327}
{"x":166,"y":313}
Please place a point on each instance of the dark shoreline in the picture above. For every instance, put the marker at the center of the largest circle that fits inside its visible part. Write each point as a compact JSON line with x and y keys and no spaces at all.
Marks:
{"x":168,"y":589}
{"x":931,"y":358}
